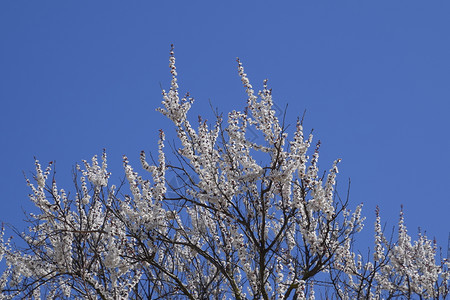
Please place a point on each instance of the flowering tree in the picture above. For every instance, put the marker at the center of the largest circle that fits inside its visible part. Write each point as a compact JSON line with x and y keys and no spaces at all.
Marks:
{"x":249,"y":221}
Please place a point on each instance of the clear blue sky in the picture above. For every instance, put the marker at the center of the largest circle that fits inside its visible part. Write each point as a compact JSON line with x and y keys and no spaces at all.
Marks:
{"x":80,"y":76}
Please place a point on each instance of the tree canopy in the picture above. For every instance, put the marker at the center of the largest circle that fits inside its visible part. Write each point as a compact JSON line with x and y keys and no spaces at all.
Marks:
{"x":246,"y":220}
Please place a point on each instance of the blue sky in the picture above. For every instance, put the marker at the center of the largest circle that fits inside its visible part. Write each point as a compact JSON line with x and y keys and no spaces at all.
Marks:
{"x":80,"y":76}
